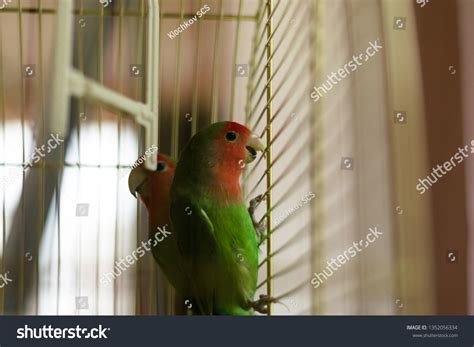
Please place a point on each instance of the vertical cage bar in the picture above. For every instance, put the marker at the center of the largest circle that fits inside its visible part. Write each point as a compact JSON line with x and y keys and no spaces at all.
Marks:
{"x":153,"y":288}
{"x":170,"y":296}
{"x":119,"y":124}
{"x":58,"y":212}
{"x":152,"y":83}
{"x":78,"y":189}
{"x":138,"y":95}
{"x":216,"y":67}
{"x":316,"y":214}
{"x":78,"y":235}
{"x":177,"y":96}
{"x":269,"y":29}
{"x":195,"y":110}
{"x":43,"y":169}
{"x":80,"y":62}
{"x":141,"y":23}
{"x":21,"y":286}
{"x":253,"y":61}
{"x":99,"y":193}
{"x":100,"y":65}
{"x":251,"y":78}
{"x":234,"y":61}
{"x":60,"y":92}
{"x":157,"y":14}
{"x":4,"y":224}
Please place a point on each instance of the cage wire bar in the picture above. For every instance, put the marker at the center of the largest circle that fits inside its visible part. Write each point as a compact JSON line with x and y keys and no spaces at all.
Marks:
{"x":269,"y":138}
{"x":317,"y":215}
{"x":4,"y":227}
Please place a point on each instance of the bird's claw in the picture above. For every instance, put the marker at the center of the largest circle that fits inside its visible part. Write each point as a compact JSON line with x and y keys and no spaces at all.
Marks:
{"x":261,"y":305}
{"x":261,"y":230}
{"x":260,"y":227}
{"x":255,"y":202}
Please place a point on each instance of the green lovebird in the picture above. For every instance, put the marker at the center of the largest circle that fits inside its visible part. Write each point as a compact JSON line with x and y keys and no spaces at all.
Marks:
{"x":214,"y":231}
{"x":153,"y":188}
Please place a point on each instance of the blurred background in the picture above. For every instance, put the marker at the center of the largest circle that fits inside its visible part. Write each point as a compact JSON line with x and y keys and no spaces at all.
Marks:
{"x":334,"y":168}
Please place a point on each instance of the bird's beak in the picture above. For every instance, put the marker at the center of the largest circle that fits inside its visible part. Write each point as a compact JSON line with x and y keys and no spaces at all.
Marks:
{"x":136,"y":179}
{"x":253,"y":145}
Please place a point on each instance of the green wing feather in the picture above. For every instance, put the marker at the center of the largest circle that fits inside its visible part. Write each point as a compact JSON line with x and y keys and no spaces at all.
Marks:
{"x":197,"y":246}
{"x":220,"y":257}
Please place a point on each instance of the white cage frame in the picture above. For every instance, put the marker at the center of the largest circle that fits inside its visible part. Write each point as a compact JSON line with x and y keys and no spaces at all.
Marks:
{"x":68,"y":81}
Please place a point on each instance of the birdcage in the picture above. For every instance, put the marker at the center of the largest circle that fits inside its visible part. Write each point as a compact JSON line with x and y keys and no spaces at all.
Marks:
{"x":126,"y":83}
{"x":115,"y":77}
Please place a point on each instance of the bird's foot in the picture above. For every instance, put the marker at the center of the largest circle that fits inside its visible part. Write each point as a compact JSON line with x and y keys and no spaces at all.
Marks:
{"x":261,"y":305}
{"x":260,"y":227}
{"x":255,"y":202}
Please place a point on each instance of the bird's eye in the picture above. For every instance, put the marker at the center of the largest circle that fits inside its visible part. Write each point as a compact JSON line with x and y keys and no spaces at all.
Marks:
{"x":231,"y":136}
{"x":161,"y":166}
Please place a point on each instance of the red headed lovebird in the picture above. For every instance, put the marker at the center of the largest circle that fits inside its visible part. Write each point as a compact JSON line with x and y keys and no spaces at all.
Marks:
{"x":215,"y":233}
{"x":153,"y":188}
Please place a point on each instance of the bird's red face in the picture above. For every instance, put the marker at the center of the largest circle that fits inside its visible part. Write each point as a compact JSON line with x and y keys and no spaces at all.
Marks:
{"x":153,"y":187}
{"x":236,"y":145}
